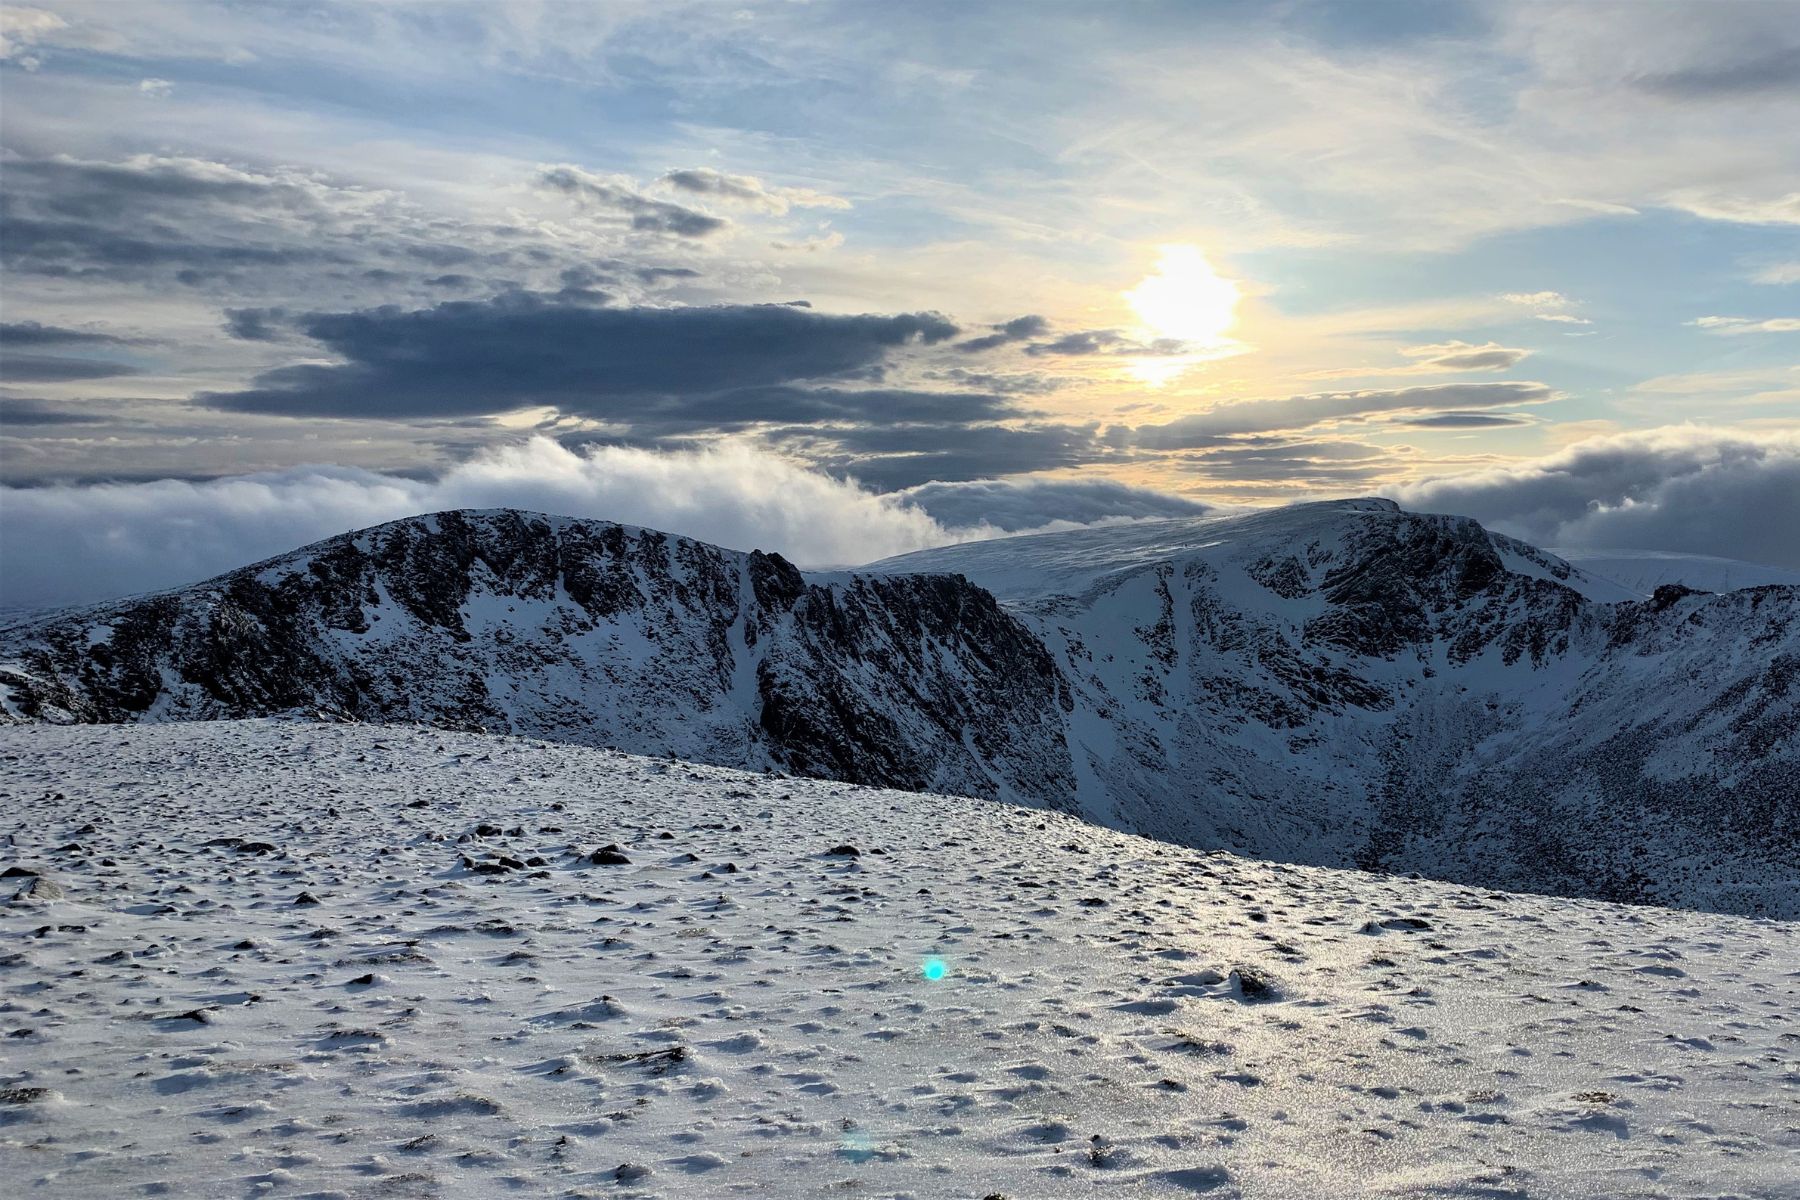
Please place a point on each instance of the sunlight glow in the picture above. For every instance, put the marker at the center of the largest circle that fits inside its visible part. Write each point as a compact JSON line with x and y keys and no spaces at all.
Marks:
{"x":1185,"y":298}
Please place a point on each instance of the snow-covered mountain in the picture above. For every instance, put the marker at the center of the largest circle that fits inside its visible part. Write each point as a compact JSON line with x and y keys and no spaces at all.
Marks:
{"x":1340,"y":684}
{"x":1350,"y":683}
{"x":585,"y":631}
{"x":288,"y":959}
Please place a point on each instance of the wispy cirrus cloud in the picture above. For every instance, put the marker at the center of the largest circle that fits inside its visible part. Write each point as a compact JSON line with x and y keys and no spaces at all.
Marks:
{"x":1737,"y":325}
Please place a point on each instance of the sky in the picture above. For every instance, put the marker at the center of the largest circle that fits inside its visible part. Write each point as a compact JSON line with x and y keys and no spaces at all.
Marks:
{"x":848,"y":279}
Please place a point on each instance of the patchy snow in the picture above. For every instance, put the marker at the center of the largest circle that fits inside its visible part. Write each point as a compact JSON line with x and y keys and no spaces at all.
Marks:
{"x":739,"y":1010}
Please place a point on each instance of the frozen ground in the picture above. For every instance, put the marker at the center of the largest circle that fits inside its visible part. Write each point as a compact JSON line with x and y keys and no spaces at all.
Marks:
{"x":739,"y":1011}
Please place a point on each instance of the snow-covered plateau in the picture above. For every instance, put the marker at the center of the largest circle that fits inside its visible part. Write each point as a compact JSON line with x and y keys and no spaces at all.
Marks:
{"x":290,"y":958}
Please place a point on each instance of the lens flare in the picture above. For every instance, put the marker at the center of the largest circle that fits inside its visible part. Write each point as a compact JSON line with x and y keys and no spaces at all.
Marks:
{"x":934,"y":969}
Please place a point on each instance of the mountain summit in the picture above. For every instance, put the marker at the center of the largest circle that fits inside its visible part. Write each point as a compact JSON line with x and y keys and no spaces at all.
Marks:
{"x":1343,"y":683}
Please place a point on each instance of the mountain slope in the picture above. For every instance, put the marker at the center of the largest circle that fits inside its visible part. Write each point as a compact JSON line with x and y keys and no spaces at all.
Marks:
{"x":736,"y":1010}
{"x":582,"y":630}
{"x":1350,"y":683}
{"x":1343,"y":684}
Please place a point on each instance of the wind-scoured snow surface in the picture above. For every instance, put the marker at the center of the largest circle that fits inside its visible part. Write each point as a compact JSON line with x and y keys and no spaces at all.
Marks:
{"x":474,"y":1007}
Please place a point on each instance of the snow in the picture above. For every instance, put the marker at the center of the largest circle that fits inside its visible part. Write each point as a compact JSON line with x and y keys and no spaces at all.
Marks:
{"x":1031,"y":567}
{"x":740,"y":1011}
{"x":1643,"y":571}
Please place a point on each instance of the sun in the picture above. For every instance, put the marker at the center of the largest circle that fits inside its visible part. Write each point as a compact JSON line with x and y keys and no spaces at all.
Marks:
{"x":1185,"y":299}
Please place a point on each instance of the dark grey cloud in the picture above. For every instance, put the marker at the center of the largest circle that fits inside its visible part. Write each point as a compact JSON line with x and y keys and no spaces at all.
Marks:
{"x":17,"y":411}
{"x":747,"y":190}
{"x":50,"y":368}
{"x":1462,"y":420}
{"x":250,"y":237}
{"x":1085,"y":342}
{"x":1759,"y":72}
{"x":72,"y":218}
{"x":1016,"y":330}
{"x":1015,"y":504}
{"x":1013,"y":383}
{"x":663,"y":365}
{"x":888,"y":458}
{"x":256,"y":324}
{"x":1300,"y":412}
{"x":34,"y":333}
{"x":1681,"y":489}
{"x":645,"y":213}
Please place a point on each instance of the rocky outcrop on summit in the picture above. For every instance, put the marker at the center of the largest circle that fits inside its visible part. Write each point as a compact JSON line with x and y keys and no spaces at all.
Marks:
{"x":583,"y":631}
{"x":1343,"y":684}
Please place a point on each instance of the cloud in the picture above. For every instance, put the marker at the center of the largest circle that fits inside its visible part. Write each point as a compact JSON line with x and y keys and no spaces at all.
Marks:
{"x":670,"y":366}
{"x":1461,"y":356}
{"x":617,"y":194}
{"x":256,"y":324}
{"x":1463,"y":420}
{"x":905,"y":455}
{"x":1736,"y":325}
{"x":1555,"y":302}
{"x":1016,"y":505}
{"x":33,"y":333}
{"x":1778,"y":274}
{"x":50,"y":368}
{"x":1765,"y":72}
{"x":149,"y":216}
{"x":1086,"y":342}
{"x":1016,"y":330}
{"x":21,"y":28}
{"x":748,"y":190}
{"x":19,"y":411}
{"x":1536,"y":299}
{"x":156,"y":89}
{"x":1313,"y":465}
{"x":1680,"y":488}
{"x":78,"y":544}
{"x":1299,"y":412}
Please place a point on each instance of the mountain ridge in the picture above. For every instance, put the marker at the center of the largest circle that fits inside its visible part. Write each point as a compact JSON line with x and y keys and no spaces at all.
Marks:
{"x":1344,"y":683}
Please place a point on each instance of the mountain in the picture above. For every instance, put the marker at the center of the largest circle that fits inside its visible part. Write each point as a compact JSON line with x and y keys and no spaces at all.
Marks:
{"x":1343,"y":684}
{"x":584,"y":631}
{"x":1643,"y":571}
{"x":291,"y":959}
{"x":1349,"y":683}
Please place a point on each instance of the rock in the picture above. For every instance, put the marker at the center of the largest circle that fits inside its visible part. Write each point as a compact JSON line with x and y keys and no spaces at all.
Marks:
{"x":629,"y":1172}
{"x":41,"y":889}
{"x":1253,"y":984}
{"x":304,"y":899}
{"x":25,"y":1095}
{"x":609,"y":856}
{"x":844,"y":851}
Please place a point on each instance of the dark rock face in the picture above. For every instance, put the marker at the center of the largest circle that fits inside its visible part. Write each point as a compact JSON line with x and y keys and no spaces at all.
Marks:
{"x":584,"y":631}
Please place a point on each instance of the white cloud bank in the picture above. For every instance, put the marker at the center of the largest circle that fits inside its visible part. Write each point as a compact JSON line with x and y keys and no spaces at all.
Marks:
{"x":1685,"y":488}
{"x":1690,"y":489}
{"x":66,"y":545}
